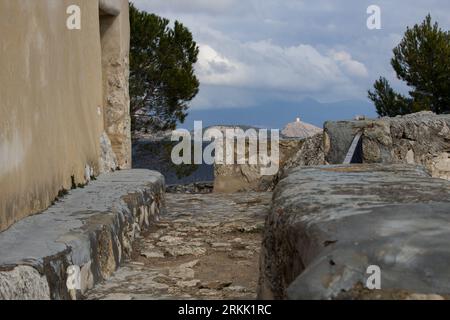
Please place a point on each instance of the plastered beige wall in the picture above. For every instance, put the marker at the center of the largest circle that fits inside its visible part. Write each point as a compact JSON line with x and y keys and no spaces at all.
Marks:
{"x":50,"y":98}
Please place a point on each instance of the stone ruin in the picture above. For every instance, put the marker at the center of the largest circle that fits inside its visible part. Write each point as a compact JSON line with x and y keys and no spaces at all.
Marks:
{"x":359,"y":194}
{"x":390,"y":208}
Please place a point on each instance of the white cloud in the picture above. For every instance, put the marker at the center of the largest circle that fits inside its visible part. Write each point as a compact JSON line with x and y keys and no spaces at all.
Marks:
{"x":215,"y":69}
{"x":292,"y":48}
{"x":353,"y":67}
{"x":265,"y":65}
{"x":189,"y":6}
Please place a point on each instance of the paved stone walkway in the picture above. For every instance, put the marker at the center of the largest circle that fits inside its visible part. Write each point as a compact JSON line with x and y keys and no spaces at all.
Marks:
{"x":205,"y":247}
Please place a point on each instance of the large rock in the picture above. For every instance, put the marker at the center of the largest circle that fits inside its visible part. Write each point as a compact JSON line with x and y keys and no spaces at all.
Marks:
{"x":328,"y":224}
{"x":23,"y":282}
{"x":422,"y":138}
{"x":311,"y":153}
{"x":248,"y":177}
{"x":338,"y":137}
{"x":108,"y":160}
{"x":91,"y":229}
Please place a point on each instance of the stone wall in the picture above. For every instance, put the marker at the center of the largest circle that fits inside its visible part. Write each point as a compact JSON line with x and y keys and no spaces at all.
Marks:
{"x":311,"y":153}
{"x":328,"y":224}
{"x":51,"y":101}
{"x":115,"y":40}
{"x":247,"y":177}
{"x":421,"y":138}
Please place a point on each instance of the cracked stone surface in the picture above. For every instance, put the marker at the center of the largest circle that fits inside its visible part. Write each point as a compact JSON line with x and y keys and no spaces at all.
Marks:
{"x":420,"y":138}
{"x":328,"y":224}
{"x":205,"y":247}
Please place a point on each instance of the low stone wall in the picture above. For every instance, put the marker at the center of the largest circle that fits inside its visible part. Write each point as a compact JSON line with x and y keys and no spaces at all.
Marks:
{"x":328,"y":224}
{"x":422,"y":138}
{"x":91,"y":228}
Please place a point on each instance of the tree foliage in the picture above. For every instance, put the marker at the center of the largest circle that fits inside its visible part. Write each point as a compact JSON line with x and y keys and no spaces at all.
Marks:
{"x":422,"y":60}
{"x":162,"y":78}
{"x":387,"y":101}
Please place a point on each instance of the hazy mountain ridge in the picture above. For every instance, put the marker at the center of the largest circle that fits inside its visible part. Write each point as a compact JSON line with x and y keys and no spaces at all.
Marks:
{"x":276,"y":114}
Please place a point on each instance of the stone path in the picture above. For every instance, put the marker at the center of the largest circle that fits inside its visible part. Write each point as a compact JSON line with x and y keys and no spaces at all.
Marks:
{"x":206,"y":246}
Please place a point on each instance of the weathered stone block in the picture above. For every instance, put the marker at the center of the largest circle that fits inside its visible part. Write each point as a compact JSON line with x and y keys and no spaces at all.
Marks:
{"x":329,"y":223}
{"x":247,"y":177}
{"x":422,"y":138}
{"x":23,"y":282}
{"x":311,"y":153}
{"x":338,"y":137}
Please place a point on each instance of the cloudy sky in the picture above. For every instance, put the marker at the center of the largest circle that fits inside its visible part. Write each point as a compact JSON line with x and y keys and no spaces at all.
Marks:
{"x":289,"y":50}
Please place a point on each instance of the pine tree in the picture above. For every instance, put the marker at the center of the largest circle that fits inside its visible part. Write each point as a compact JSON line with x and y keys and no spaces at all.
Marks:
{"x":422,"y":60}
{"x":162,"y":79}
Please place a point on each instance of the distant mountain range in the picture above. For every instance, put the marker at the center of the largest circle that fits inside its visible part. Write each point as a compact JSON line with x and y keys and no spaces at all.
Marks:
{"x":276,"y":114}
